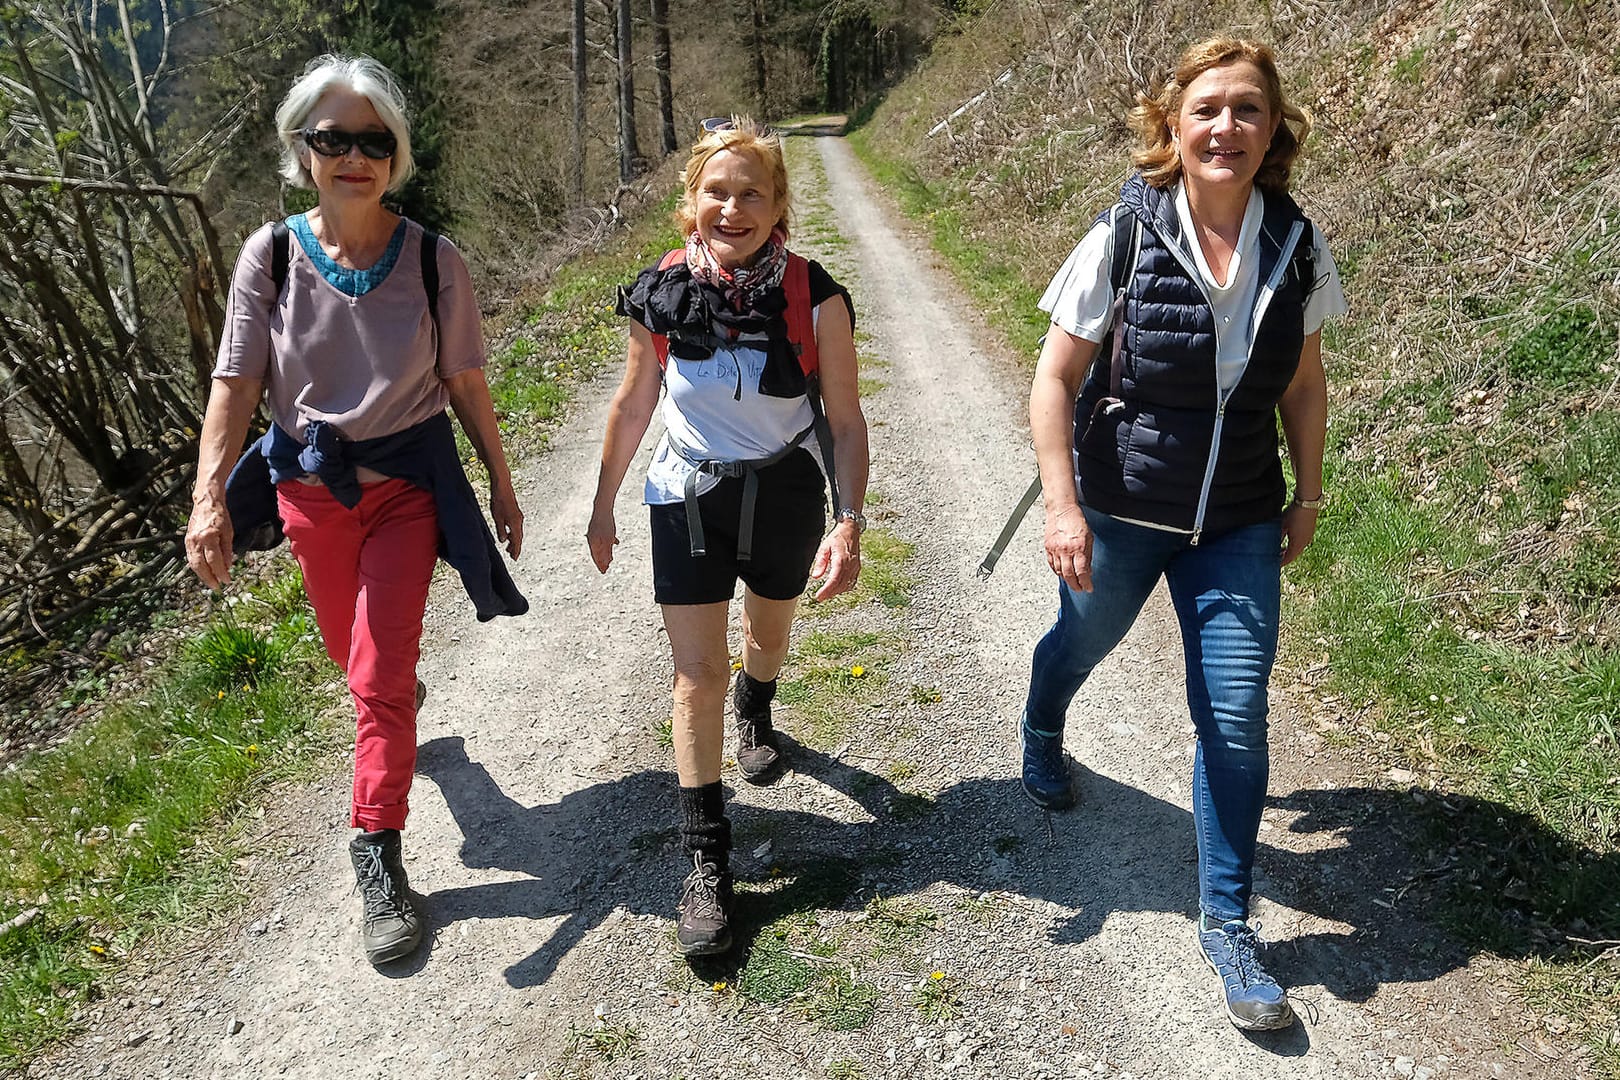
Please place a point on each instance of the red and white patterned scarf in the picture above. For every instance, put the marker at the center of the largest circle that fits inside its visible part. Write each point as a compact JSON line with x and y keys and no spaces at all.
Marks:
{"x":743,"y":286}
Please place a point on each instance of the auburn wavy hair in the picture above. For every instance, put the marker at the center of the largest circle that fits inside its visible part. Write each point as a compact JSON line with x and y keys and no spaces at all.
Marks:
{"x":744,"y":136}
{"x":1151,"y":119}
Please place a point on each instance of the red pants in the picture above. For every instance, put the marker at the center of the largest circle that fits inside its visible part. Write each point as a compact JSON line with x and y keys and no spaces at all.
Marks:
{"x":367,"y":572}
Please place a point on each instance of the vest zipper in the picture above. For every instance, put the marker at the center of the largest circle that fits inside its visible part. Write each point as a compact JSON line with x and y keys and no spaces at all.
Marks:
{"x":1263,"y":302}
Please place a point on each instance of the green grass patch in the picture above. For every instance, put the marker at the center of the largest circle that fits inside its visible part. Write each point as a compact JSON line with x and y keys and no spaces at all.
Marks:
{"x":838,"y":674}
{"x":994,"y":281}
{"x":605,"y":1041}
{"x":845,"y":1069}
{"x":569,"y":332}
{"x":938,"y":997}
{"x":123,"y":830}
{"x":896,"y":920}
{"x":792,"y":962}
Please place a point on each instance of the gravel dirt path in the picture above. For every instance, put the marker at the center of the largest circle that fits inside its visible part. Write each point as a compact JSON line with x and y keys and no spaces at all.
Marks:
{"x":541,"y":837}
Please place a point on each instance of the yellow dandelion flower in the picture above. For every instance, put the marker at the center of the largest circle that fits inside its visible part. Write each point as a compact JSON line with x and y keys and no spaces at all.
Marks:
{"x":736,"y":665}
{"x":719,"y":986}
{"x":253,"y":659}
{"x":221,"y":695}
{"x":936,"y":976}
{"x":857,"y":671}
{"x":253,"y":748}
{"x":98,"y":950}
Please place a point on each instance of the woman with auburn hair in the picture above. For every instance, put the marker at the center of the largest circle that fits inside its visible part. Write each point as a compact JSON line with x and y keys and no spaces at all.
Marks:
{"x":358,"y":328}
{"x":754,"y":349}
{"x":1184,"y":324}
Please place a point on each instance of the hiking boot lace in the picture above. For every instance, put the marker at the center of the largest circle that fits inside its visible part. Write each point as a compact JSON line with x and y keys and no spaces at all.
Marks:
{"x":701,"y":889}
{"x":376,"y":885}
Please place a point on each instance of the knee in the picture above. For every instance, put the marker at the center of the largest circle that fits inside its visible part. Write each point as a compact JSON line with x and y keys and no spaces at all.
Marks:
{"x":769,"y":643}
{"x":1239,"y":739}
{"x":701,"y":681}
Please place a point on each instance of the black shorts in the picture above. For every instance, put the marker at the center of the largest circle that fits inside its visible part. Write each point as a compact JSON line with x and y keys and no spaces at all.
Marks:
{"x":790,"y":516}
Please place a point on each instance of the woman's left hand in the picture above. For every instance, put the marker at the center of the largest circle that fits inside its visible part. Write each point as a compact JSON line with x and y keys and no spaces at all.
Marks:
{"x":838,"y":560}
{"x":1299,"y":529}
{"x":508,"y":518}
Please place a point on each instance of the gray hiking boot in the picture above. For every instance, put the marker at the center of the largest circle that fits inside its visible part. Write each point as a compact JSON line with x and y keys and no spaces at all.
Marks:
{"x":703,"y":913}
{"x":390,"y":927}
{"x":759,"y":755}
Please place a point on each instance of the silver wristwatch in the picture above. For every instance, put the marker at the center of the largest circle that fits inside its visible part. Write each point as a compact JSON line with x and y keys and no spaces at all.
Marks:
{"x":849,"y":513}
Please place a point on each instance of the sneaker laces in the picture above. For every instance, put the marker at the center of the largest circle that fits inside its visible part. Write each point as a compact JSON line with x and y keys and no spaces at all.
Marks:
{"x":700,"y":892}
{"x":377,"y":889}
{"x":1245,"y":944}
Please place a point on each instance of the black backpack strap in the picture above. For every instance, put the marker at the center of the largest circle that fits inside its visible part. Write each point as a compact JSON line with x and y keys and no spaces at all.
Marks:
{"x":280,"y":252}
{"x":430,"y":273}
{"x":1121,"y":267}
{"x":1121,"y":259}
{"x":1305,"y":261}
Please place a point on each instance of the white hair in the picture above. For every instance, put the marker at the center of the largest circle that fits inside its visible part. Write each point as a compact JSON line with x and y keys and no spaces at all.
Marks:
{"x":365,"y":77}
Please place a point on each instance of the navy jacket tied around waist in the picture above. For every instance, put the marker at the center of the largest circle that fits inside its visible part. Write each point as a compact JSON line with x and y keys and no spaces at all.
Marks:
{"x":423,"y":455}
{"x":1175,"y":455}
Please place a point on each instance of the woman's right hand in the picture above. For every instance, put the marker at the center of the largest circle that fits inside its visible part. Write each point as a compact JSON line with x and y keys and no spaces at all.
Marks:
{"x":208,"y":540}
{"x":1068,"y":547}
{"x":601,"y":535}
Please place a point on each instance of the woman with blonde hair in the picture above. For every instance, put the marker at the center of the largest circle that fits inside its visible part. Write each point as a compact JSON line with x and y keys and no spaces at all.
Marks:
{"x":1184,"y":324}
{"x":753,"y":347}
{"x":358,"y":327}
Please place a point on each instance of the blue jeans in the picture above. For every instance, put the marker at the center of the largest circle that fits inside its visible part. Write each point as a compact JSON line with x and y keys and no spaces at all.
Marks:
{"x":1226,"y":593}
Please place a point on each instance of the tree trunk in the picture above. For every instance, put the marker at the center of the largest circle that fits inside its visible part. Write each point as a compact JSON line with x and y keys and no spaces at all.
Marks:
{"x":580,"y":52}
{"x":666,"y":95}
{"x":629,"y":152}
{"x":758,"y":44}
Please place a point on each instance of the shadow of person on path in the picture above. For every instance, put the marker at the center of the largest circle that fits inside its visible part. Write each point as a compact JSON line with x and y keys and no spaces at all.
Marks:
{"x":611,"y":847}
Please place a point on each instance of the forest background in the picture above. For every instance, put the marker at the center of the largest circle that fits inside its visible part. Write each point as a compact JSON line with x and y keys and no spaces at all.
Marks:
{"x":1458,"y":614}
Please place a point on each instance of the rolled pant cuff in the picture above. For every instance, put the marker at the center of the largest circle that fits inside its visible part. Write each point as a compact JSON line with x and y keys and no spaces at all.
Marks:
{"x":373,"y":818}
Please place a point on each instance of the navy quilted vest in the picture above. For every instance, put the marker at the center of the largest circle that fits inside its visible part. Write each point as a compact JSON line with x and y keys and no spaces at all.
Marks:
{"x":1151,"y":460}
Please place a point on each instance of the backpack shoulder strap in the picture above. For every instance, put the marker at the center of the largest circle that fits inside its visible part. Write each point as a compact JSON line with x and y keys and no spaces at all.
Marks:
{"x":801,"y":316}
{"x":672,"y":257}
{"x":280,"y":253}
{"x":1305,"y":259}
{"x":1127,"y":248}
{"x":1121,"y":258}
{"x":430,"y":272}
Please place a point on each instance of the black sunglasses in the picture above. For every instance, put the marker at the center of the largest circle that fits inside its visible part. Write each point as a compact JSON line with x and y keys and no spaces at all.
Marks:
{"x":330,"y":142}
{"x":718,"y":123}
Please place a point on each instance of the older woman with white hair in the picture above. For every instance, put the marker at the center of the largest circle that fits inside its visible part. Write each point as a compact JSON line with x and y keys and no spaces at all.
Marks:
{"x":359,"y":328}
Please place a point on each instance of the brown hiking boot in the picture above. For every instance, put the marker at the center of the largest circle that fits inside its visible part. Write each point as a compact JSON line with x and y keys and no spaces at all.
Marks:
{"x":703,"y":913}
{"x":759,"y":756}
{"x":390,"y":927}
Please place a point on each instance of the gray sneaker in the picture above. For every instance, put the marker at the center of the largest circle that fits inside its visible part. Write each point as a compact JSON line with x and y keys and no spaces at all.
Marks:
{"x":390,"y":927}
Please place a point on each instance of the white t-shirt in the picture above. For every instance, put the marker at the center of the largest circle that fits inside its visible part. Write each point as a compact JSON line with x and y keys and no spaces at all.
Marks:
{"x":1080,"y":296}
{"x":714,"y":410}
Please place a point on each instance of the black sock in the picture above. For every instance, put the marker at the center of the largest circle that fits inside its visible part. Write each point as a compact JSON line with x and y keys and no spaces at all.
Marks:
{"x":752,"y":698}
{"x":704,"y":826}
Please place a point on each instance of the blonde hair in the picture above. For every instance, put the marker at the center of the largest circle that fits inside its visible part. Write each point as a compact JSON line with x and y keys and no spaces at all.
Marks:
{"x":365,"y":77}
{"x":744,"y":136}
{"x":1156,"y":156}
